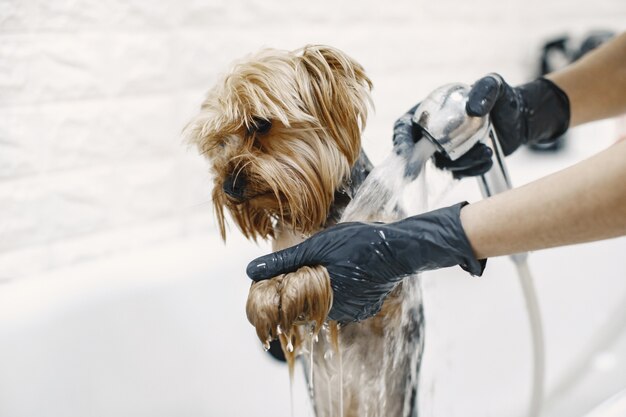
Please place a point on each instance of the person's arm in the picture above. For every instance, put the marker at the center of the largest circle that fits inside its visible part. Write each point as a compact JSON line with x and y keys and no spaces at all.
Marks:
{"x":596,"y":84}
{"x":583,"y":203}
{"x":540,"y":111}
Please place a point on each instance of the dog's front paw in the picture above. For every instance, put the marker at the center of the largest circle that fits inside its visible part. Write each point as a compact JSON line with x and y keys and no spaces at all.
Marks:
{"x":277,"y":307}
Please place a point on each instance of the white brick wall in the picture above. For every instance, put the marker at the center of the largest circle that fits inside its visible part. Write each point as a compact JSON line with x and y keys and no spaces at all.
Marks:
{"x":93,"y":95}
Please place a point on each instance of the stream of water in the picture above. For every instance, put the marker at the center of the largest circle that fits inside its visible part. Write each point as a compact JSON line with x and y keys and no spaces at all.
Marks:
{"x":380,"y":370}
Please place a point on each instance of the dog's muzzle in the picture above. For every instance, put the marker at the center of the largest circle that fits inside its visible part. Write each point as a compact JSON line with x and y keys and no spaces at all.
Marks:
{"x":235,"y":186}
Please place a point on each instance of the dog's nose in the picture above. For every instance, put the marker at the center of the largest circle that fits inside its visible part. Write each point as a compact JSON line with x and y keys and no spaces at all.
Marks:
{"x":235,"y":186}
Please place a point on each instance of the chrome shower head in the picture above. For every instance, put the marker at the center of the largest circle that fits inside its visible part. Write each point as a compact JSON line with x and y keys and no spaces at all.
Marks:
{"x":445,"y":122}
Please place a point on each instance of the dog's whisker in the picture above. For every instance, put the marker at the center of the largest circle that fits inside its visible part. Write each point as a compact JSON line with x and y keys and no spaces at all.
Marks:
{"x":238,"y":170}
{"x":246,"y":155}
{"x":198,"y":205}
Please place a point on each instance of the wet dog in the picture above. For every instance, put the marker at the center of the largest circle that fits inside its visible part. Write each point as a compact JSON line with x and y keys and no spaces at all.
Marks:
{"x":282,"y":131}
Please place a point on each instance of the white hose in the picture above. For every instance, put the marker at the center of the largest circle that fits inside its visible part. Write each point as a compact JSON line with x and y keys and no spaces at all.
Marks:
{"x":536,"y":329}
{"x":495,"y":181}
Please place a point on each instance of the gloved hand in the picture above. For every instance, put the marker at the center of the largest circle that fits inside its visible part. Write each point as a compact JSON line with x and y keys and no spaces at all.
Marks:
{"x":535,"y":112}
{"x":405,"y":133}
{"x":366,"y":260}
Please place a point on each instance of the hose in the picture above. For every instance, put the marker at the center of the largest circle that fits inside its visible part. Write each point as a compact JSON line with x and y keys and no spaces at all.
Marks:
{"x":495,"y":181}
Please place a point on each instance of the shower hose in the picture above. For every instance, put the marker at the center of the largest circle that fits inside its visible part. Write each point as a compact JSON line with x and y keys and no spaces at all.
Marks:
{"x":495,"y":181}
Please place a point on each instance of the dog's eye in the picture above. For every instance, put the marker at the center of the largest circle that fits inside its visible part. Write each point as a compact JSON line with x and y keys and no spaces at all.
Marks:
{"x":261,"y":126}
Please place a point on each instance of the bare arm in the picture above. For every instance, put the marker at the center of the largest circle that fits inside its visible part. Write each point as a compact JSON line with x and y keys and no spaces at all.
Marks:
{"x":596,"y":84}
{"x":583,"y":203}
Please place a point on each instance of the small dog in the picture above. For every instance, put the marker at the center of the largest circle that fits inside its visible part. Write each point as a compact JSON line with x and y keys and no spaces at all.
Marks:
{"x":282,"y":131}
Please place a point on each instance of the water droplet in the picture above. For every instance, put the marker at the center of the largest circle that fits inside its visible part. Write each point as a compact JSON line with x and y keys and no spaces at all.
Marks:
{"x":278,"y":330}
{"x":290,"y":346}
{"x":266,"y":346}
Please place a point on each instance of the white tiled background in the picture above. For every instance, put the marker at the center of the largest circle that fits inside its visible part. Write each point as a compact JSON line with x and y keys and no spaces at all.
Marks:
{"x":95,"y":183}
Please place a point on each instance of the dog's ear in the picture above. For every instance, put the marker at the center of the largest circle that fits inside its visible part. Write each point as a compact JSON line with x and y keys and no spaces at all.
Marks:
{"x":338,"y":90}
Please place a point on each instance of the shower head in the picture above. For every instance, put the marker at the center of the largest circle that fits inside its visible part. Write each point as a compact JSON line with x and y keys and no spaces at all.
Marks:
{"x":442,"y":118}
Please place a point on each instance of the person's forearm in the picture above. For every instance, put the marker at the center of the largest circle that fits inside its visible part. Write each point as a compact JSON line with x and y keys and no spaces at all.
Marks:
{"x":583,"y":203}
{"x":596,"y":84}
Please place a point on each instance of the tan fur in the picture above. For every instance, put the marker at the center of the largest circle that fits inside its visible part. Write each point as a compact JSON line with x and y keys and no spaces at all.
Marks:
{"x":276,"y":307}
{"x":317,"y":100}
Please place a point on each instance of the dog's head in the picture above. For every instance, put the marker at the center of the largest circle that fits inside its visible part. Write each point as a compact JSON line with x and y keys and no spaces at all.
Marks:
{"x":282,"y":130}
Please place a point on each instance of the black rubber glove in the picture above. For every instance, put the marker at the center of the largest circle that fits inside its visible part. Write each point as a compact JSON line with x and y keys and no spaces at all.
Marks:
{"x":405,"y":133}
{"x":474,"y":162}
{"x":535,"y":112}
{"x":366,"y":260}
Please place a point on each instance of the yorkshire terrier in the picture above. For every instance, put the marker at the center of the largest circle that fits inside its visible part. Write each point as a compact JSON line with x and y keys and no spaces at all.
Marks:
{"x":282,"y":131}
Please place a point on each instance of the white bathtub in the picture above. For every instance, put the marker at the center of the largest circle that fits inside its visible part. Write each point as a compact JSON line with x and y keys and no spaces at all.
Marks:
{"x":163,"y":333}
{"x":158,"y":333}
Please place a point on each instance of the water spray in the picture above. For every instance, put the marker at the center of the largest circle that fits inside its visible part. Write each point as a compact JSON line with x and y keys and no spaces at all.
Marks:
{"x":442,"y":118}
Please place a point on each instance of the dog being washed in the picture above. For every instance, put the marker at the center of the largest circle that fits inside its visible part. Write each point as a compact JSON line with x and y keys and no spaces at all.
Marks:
{"x":282,"y":132}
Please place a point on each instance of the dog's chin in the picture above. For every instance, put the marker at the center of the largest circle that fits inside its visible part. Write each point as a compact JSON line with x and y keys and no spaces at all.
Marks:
{"x":257,"y":215}
{"x":236,"y":201}
{"x":276,"y":210}
{"x":259,"y":201}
